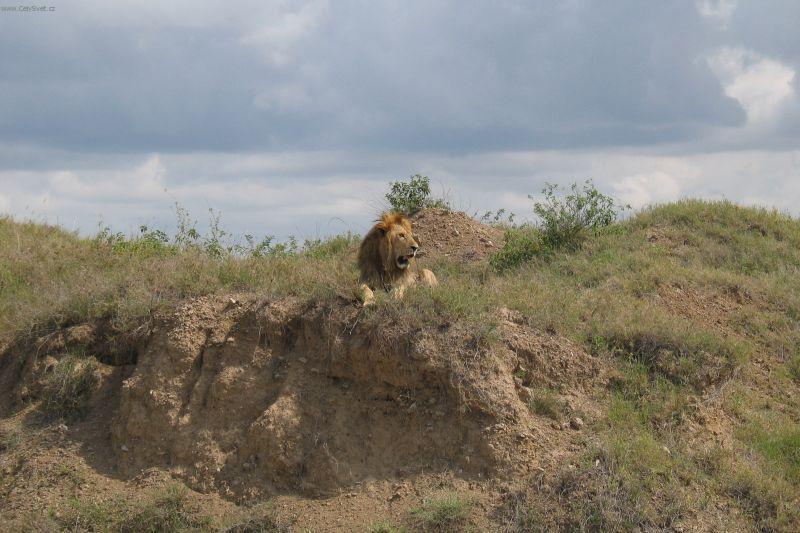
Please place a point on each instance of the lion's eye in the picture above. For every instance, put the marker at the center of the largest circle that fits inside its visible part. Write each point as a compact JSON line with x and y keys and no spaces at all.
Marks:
{"x":403,"y":236}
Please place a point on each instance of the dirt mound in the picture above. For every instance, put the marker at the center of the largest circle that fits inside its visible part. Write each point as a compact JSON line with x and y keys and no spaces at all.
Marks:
{"x":249,"y":398}
{"x":252,"y":397}
{"x":453,"y":234}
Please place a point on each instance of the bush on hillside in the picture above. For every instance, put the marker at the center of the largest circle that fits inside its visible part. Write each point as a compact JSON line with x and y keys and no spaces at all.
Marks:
{"x":567,"y":217}
{"x":410,"y":196}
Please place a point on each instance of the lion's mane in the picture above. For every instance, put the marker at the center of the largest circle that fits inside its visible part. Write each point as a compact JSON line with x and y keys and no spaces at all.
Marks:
{"x":376,"y":256}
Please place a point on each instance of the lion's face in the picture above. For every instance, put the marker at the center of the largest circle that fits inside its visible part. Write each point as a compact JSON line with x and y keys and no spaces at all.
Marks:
{"x":402,"y":244}
{"x":387,"y":251}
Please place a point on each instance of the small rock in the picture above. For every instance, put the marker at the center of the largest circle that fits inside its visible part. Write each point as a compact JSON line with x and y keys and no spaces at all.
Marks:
{"x":124,"y":448}
{"x":576,"y":423}
{"x":230,"y":340}
{"x":303,"y":360}
{"x":666,"y":450}
{"x":456,"y":232}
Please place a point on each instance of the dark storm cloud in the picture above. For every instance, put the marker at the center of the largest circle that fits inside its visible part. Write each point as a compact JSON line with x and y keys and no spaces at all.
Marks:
{"x":439,"y":76}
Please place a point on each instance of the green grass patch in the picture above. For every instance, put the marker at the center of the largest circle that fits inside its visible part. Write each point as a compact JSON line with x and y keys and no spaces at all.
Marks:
{"x":385,"y":527}
{"x":779,"y":445}
{"x":793,"y":366}
{"x":545,"y":402}
{"x":521,"y":245}
{"x":168,"y":509}
{"x":445,"y":512}
{"x":769,"y":501}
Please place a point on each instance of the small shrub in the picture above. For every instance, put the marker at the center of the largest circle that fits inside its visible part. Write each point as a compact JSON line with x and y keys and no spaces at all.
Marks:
{"x":68,"y":387}
{"x":410,"y":196}
{"x":448,"y":512}
{"x":568,"y":217}
{"x":521,"y":245}
{"x":496,"y":218}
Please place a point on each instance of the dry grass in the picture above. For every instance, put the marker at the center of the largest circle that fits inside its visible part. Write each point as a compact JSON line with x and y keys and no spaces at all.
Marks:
{"x":607,"y":296}
{"x":68,"y":387}
{"x":49,"y":277}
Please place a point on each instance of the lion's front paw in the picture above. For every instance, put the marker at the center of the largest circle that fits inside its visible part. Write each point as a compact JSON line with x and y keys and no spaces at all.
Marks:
{"x":429,"y":277}
{"x":366,"y":295}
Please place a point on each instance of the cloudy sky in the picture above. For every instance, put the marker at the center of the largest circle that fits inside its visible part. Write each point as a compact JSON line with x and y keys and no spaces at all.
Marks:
{"x":290,"y":117}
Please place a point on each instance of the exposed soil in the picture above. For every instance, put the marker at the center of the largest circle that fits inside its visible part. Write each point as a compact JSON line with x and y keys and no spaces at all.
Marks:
{"x":455,"y":235}
{"x":253,"y":399}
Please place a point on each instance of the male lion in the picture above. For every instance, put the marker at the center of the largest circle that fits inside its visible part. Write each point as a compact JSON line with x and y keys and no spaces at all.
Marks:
{"x":385,"y":257}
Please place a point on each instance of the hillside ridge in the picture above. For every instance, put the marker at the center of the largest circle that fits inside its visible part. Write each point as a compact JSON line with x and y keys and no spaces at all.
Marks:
{"x":650,"y":379}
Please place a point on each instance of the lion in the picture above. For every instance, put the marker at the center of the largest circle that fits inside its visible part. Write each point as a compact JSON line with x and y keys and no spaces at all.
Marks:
{"x":385,"y":258}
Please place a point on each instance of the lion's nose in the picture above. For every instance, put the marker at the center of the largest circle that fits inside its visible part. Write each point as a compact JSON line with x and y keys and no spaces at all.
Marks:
{"x":414,"y":248}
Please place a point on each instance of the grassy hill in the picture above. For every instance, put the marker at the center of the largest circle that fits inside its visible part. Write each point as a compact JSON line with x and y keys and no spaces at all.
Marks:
{"x":694,"y":305}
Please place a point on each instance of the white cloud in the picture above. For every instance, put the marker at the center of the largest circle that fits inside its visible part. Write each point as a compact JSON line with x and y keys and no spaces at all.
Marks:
{"x":143,"y":183}
{"x":316,"y":193}
{"x":760,"y":85}
{"x":644,"y":189}
{"x":284,"y":29}
{"x":718,"y":11}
